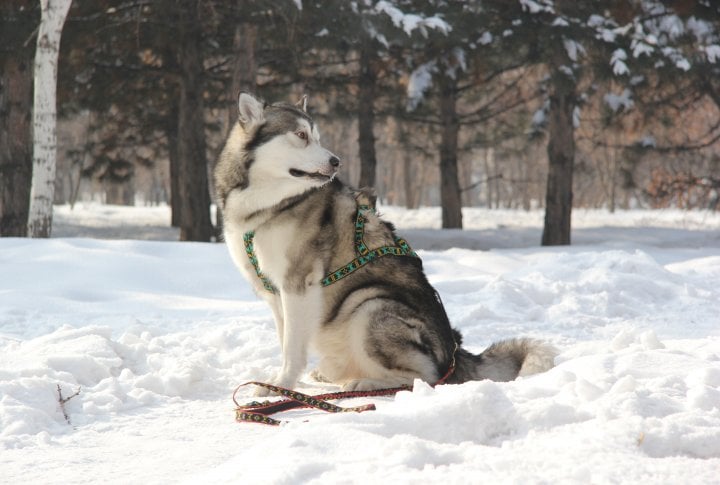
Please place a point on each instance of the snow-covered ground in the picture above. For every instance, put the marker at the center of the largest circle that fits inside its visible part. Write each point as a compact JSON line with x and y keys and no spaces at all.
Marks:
{"x":157,"y":334}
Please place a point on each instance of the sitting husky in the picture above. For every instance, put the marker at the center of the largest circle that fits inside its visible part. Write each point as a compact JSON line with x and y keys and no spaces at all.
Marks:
{"x":336,"y":276}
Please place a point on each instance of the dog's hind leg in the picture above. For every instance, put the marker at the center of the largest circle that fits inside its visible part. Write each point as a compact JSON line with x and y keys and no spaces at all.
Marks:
{"x":391,"y":348}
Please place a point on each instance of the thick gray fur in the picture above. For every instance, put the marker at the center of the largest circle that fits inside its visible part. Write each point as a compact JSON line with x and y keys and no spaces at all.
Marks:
{"x":384,"y":325}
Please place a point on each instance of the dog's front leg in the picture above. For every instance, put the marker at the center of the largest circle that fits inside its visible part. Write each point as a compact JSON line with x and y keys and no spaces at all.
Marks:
{"x":276,"y":306}
{"x":301,"y":314}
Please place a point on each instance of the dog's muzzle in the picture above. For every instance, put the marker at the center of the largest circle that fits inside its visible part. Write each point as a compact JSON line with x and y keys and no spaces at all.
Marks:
{"x":324,"y":174}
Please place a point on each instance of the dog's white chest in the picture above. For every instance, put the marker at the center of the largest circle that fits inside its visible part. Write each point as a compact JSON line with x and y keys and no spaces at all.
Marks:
{"x":272,"y":247}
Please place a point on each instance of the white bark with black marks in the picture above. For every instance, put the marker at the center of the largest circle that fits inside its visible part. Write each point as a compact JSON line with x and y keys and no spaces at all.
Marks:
{"x":42,"y":192}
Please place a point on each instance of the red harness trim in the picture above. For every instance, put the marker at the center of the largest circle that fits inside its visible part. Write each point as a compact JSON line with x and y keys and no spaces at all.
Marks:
{"x":450,"y":370}
{"x":259,"y":412}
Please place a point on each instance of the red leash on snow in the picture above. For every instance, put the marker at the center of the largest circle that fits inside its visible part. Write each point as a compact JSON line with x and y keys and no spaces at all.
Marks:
{"x":259,"y":412}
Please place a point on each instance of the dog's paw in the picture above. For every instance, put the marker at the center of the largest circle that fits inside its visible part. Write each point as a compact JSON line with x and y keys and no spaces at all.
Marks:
{"x":375,"y":384}
{"x":318,"y":376}
{"x":278,"y":380}
{"x":262,"y":392}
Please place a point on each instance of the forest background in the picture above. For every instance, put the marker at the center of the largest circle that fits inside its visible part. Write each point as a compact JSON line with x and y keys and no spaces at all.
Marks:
{"x":495,"y":103}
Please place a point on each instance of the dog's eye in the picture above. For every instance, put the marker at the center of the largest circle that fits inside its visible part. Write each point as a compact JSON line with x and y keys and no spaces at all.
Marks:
{"x":302,"y":135}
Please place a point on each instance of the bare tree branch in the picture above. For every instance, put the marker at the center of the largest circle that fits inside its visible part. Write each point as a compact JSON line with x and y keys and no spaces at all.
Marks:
{"x":62,"y":400}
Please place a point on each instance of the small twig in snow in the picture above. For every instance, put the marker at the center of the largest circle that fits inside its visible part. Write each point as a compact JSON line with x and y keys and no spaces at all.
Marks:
{"x":62,"y":400}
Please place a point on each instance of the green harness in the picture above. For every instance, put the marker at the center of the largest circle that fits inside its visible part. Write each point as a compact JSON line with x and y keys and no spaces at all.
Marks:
{"x":363,"y":253}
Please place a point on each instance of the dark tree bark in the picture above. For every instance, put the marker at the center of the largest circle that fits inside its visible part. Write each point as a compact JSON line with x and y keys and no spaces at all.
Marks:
{"x":171,"y":133}
{"x":119,"y":193}
{"x":561,"y":152}
{"x":412,"y":181}
{"x":193,"y":187}
{"x":15,"y":144}
{"x":366,"y":114}
{"x":244,"y":74}
{"x":244,"y":78}
{"x":16,"y":84}
{"x":450,"y":194}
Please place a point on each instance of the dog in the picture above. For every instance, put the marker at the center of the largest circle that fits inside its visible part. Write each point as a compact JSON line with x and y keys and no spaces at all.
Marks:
{"x":337,"y":278}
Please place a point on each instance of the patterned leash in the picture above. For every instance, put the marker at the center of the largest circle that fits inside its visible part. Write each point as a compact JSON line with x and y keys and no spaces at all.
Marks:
{"x":259,"y":412}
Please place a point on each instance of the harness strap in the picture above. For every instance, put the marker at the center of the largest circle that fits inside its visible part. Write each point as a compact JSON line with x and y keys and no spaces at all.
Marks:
{"x":250,"y":251}
{"x":450,"y":370}
{"x":363,"y":253}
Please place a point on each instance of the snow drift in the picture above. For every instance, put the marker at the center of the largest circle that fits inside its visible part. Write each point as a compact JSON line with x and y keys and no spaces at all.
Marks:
{"x":157,"y":334}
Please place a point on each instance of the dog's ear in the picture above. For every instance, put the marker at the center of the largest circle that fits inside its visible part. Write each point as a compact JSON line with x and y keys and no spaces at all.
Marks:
{"x":302,"y":104}
{"x":250,"y":110}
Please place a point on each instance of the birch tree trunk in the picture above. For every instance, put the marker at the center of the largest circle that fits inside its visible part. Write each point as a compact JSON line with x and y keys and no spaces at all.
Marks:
{"x":42,"y":192}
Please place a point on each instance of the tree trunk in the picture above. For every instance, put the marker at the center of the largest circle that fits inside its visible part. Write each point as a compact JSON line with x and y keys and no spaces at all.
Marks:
{"x":449,"y":183}
{"x":193,"y":186}
{"x":613,"y":179}
{"x":489,"y":160}
{"x":561,"y":152}
{"x":119,"y":193}
{"x":53,"y":13}
{"x":411,"y":180}
{"x":244,"y":75}
{"x":366,"y":114}
{"x":171,"y":133}
{"x":244,"y":78}
{"x":15,"y":113}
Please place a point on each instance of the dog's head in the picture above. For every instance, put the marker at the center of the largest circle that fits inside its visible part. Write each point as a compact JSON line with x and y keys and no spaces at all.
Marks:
{"x":282,"y":143}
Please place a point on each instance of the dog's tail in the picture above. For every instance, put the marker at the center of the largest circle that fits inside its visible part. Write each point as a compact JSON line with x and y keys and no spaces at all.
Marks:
{"x":505,"y":360}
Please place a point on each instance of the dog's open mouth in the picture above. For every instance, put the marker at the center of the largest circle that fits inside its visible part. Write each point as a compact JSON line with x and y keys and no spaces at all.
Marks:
{"x":315,"y":175}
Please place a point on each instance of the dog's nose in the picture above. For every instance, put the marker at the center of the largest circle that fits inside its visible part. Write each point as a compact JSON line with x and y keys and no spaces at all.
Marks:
{"x":334,"y":161}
